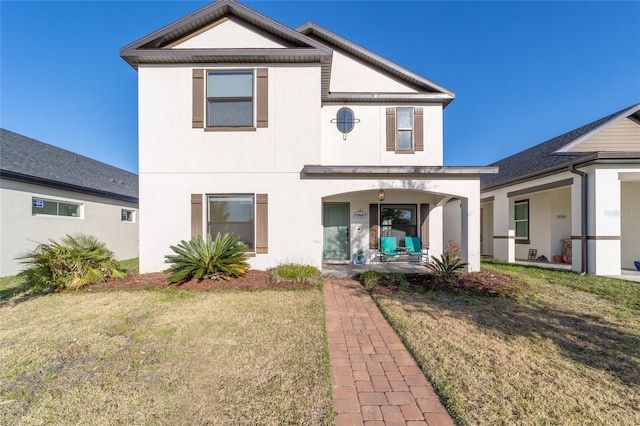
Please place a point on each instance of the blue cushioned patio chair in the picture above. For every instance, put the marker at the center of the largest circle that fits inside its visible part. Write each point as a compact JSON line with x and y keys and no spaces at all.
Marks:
{"x":414,"y":247}
{"x":388,"y":248}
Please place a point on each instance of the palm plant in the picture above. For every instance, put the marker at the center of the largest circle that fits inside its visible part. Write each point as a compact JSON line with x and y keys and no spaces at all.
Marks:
{"x":71,"y":263}
{"x":447,"y":267}
{"x":206,"y":258}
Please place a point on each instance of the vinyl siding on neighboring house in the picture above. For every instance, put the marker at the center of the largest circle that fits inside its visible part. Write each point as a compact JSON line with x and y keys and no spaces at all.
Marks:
{"x":622,"y":136}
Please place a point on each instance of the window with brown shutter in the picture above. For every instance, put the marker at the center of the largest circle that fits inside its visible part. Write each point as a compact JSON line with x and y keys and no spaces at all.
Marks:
{"x":262,"y":223}
{"x":405,"y":129}
{"x":374,"y":227}
{"x":223,"y":100}
{"x":262,"y":97}
{"x":198,"y":99}
{"x":196,"y":215}
{"x":391,"y":129}
{"x":418,"y":129}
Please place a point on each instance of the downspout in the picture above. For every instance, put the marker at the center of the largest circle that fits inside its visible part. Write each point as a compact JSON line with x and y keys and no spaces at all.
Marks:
{"x":583,"y":226}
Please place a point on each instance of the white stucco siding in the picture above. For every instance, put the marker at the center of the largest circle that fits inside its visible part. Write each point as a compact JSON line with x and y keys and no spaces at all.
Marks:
{"x":349,"y":74}
{"x":21,"y":231}
{"x":295,"y":210}
{"x":168,"y":143}
{"x":366,"y":143}
{"x":232,"y":33}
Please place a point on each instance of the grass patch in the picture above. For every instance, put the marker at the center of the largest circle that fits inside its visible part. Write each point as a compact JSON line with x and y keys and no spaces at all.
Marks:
{"x":130,"y":266}
{"x":565,"y":352}
{"x":170,"y":357}
{"x":302,"y":274}
{"x":10,"y":287}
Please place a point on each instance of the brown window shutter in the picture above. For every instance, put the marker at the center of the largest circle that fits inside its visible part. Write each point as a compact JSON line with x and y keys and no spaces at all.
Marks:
{"x":374,"y":228}
{"x":198,"y":95}
{"x":424,"y":225}
{"x":391,"y":129}
{"x":418,"y":129}
{"x":262,"y":223}
{"x":262,"y":97}
{"x":196,"y":215}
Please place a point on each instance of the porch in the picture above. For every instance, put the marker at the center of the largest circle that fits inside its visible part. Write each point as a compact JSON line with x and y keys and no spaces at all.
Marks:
{"x":350,"y":270}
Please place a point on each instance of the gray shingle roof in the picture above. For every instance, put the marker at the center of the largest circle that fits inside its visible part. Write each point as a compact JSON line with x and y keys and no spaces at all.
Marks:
{"x":29,"y":160}
{"x":544,"y":156}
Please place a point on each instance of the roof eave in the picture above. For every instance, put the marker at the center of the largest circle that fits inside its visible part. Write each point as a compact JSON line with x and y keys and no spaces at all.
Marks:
{"x":423,"y":97}
{"x":181,"y":56}
{"x":6,"y":174}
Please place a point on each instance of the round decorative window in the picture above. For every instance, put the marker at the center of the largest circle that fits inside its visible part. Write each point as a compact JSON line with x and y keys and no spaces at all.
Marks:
{"x":345,"y":120}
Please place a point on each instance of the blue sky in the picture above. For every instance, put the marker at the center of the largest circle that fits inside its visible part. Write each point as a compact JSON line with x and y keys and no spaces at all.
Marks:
{"x":523,"y":72}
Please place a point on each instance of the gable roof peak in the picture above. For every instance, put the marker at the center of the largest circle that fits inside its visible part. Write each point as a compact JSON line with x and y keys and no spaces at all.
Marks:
{"x":153,"y":48}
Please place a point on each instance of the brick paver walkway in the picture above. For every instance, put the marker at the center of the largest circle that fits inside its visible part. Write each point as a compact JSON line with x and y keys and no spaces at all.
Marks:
{"x":375,"y":380}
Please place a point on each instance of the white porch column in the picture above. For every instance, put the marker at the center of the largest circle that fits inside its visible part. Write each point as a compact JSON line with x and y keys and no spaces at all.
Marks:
{"x":436,"y":228}
{"x":470,"y":232}
{"x":503,"y":229}
{"x":604,"y":222}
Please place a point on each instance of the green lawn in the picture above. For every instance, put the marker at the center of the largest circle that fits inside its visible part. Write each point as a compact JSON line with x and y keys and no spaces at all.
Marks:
{"x":565,"y":352}
{"x":163,"y":357}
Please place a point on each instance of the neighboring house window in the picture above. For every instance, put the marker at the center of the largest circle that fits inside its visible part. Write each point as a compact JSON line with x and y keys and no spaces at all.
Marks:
{"x":230,"y":98}
{"x":233,"y":213}
{"x":54,"y":208}
{"x":127,"y":215}
{"x":405,"y":130}
{"x":521,"y":216}
{"x":399,"y":221}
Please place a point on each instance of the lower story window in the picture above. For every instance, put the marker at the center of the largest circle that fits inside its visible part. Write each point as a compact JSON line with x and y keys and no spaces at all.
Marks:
{"x":399,"y":221}
{"x":521,"y":215}
{"x":54,"y":208}
{"x":232,"y":213}
{"x":127,"y":215}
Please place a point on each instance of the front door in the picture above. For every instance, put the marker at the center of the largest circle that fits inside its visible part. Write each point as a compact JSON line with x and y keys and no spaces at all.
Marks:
{"x":335,"y":217}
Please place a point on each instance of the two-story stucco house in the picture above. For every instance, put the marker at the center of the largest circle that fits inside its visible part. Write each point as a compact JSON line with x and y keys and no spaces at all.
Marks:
{"x":306,"y":145}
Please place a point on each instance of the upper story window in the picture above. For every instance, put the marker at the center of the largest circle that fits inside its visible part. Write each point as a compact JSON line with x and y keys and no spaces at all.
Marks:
{"x":54,"y":208}
{"x":345,"y":120}
{"x":405,"y":130}
{"x":230,"y":98}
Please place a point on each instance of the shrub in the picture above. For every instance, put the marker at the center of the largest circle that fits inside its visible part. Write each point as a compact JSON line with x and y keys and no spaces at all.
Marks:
{"x":200,"y":258}
{"x":453,"y":250}
{"x":303,"y":274}
{"x":446,"y":268}
{"x":370,"y":279}
{"x":71,"y":263}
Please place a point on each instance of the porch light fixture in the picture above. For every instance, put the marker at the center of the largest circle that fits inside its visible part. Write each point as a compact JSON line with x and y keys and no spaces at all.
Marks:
{"x":381,"y":195}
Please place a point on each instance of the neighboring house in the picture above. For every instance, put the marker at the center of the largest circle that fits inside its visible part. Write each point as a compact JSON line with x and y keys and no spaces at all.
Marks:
{"x":306,"y":145}
{"x":578,"y":191}
{"x":48,"y":192}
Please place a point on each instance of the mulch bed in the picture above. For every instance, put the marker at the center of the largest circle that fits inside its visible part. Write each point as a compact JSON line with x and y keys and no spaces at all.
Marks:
{"x":485,"y":283}
{"x":252,"y":281}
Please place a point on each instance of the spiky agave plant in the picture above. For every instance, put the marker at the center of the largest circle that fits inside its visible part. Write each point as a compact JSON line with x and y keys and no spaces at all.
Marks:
{"x":447,"y":267}
{"x":71,"y":263}
{"x":201,"y":258}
